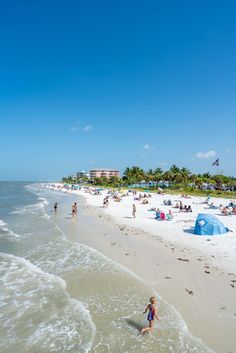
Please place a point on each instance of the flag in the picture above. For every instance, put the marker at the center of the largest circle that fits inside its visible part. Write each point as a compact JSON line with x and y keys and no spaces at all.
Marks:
{"x":216,"y":163}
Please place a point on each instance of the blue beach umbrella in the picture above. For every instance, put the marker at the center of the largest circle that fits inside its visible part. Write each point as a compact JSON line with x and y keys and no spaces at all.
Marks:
{"x":207,"y":224}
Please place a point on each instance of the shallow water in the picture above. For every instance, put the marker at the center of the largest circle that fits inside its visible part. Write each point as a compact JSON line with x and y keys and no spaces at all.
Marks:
{"x":61,"y":296}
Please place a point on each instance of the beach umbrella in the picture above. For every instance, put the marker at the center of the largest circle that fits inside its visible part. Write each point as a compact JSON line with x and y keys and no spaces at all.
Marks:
{"x":207,"y":224}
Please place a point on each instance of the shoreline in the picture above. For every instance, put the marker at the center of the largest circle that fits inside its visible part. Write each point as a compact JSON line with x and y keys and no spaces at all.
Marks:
{"x":198,"y":290}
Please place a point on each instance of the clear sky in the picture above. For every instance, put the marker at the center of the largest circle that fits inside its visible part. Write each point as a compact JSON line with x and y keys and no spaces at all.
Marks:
{"x":87,"y":84}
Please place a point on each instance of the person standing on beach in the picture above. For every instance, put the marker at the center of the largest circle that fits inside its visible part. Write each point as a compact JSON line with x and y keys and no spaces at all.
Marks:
{"x":134,"y":211}
{"x":55,"y":206}
{"x":151,"y":315}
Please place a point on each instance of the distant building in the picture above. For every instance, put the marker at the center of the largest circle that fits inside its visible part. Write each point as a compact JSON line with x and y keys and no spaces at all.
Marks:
{"x":98,"y":173}
{"x":83,"y":174}
{"x":73,"y":177}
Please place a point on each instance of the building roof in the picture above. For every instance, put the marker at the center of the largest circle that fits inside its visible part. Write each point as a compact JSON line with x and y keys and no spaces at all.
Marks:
{"x":107,"y":169}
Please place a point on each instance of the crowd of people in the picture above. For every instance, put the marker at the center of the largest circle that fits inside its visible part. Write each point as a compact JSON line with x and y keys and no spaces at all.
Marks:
{"x":143,"y":199}
{"x":227,"y":210}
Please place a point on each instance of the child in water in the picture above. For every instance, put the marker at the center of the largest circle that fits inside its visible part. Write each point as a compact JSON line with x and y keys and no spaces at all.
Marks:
{"x":151,"y":315}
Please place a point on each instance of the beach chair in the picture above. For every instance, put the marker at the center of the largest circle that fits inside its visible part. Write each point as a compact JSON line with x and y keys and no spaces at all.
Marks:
{"x":169,"y":217}
{"x":158,"y":216}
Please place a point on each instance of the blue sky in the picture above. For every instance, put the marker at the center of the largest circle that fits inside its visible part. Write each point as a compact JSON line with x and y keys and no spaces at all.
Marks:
{"x":87,"y":84}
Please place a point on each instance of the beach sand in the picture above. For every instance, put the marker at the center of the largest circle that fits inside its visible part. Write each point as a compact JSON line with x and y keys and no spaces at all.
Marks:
{"x":197,"y":275}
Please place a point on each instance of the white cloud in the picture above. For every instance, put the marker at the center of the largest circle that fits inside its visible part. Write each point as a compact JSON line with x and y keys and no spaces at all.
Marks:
{"x":148,"y":147}
{"x":205,"y":155}
{"x":77,"y":127}
{"x":87,"y":128}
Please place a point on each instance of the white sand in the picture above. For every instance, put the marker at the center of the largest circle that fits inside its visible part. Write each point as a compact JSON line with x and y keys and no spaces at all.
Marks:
{"x":152,"y":249}
{"x":180,"y":229}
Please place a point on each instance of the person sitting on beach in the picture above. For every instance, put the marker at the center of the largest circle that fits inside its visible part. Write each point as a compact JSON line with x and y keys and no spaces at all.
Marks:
{"x":163,"y":216}
{"x":169,"y":216}
{"x":189,"y":209}
{"x":151,"y":315}
{"x":145,"y":201}
{"x":158,"y":214}
{"x":225,"y":211}
{"x":176,"y":205}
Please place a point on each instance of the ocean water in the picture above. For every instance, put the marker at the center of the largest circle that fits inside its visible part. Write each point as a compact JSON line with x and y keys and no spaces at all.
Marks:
{"x":58,"y":295}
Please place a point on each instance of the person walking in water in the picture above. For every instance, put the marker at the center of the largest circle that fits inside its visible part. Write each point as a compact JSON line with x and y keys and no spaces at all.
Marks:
{"x":151,"y":315}
{"x":55,"y":206}
{"x":74,"y":209}
{"x":134,"y":211}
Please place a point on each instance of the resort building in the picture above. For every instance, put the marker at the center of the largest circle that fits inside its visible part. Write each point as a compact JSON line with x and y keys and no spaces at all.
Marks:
{"x":83,"y":174}
{"x":98,"y":173}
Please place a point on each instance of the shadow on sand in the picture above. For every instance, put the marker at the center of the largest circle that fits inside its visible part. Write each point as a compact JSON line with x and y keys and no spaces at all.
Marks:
{"x":189,"y":230}
{"x":134,"y":324}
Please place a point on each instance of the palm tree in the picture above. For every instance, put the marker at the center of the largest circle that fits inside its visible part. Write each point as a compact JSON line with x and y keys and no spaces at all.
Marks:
{"x":174,"y":169}
{"x":133,"y":175}
{"x":158,"y":174}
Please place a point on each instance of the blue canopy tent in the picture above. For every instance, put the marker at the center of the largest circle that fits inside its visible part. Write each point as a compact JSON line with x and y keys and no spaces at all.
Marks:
{"x":207,"y":224}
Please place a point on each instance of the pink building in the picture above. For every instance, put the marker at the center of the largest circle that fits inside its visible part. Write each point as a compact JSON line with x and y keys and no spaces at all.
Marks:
{"x":98,"y":173}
